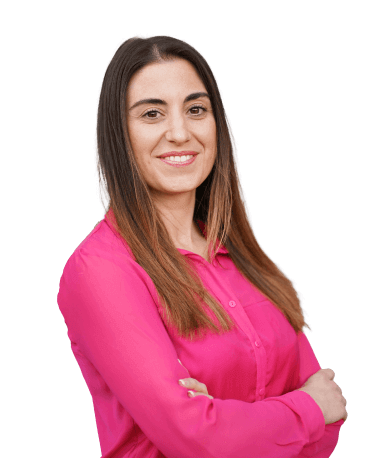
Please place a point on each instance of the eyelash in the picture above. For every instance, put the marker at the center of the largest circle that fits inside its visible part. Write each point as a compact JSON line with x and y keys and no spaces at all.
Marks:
{"x":156,"y":111}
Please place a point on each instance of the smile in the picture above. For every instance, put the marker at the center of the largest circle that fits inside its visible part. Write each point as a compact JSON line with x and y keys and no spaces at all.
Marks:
{"x":179,"y":158}
{"x":179,"y":161}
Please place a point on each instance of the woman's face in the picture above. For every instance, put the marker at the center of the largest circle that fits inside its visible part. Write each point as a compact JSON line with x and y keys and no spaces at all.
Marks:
{"x":178,"y":118}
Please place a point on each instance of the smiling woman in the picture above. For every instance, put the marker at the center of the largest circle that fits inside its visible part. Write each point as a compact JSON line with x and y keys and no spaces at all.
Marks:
{"x":167,"y":102}
{"x":172,"y":286}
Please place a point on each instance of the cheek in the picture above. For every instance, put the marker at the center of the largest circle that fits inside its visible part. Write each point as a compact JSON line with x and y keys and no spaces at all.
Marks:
{"x":136,"y":138}
{"x":142,"y":144}
{"x":211,"y":135}
{"x":206,"y":135}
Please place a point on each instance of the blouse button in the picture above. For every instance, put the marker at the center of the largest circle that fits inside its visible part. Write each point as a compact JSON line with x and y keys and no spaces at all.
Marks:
{"x":261,"y":392}
{"x":257,"y":344}
{"x":232,"y":303}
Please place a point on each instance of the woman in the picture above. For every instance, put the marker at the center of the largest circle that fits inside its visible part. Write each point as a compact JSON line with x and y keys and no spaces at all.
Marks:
{"x":172,"y":284}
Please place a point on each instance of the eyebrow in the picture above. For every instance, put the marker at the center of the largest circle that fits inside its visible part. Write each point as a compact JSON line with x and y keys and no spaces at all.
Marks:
{"x":194,"y":96}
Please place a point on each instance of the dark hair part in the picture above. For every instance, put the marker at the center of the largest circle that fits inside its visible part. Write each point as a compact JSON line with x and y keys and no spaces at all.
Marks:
{"x":219,"y":203}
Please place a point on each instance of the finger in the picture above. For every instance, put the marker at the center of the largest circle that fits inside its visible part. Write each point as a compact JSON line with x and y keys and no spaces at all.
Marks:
{"x":200,"y":388}
{"x":193,"y":394}
{"x":196,"y":385}
{"x":330,"y":373}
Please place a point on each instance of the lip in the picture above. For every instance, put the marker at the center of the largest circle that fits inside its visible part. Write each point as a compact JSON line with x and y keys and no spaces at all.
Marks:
{"x":178,"y":164}
{"x":179,"y":153}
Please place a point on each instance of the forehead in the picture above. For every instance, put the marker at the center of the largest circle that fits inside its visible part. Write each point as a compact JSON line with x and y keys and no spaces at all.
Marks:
{"x":174,"y":78}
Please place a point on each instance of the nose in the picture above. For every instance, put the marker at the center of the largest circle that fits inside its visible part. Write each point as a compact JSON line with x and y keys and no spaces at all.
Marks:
{"x":177,"y":129}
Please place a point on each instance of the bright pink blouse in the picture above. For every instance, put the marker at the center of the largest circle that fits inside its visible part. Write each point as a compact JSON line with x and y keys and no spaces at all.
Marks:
{"x":129,"y":359}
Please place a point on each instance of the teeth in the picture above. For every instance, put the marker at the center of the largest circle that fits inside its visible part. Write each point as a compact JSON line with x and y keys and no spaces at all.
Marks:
{"x":179,"y":158}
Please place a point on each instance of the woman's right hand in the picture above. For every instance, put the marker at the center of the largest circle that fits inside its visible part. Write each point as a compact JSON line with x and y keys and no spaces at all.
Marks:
{"x":327,"y":394}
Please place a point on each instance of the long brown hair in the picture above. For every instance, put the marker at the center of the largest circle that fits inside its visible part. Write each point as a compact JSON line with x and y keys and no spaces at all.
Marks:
{"x":219,"y":203}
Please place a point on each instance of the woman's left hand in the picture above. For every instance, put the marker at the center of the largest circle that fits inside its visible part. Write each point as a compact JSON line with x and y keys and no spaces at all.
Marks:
{"x":193,"y":384}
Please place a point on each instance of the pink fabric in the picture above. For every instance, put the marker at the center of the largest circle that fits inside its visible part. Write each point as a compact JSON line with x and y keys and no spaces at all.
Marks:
{"x":129,"y":360}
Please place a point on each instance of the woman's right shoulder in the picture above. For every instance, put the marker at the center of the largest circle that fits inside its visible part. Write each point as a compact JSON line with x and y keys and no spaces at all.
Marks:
{"x":102,"y":245}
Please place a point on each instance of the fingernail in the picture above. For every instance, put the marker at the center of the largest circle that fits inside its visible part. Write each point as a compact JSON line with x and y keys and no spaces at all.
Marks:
{"x":190,"y":394}
{"x":181,"y":382}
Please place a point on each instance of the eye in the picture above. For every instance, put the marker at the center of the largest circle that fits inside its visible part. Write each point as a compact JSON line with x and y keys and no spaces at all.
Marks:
{"x":148,"y":112}
{"x":194,"y":107}
{"x":197,"y":107}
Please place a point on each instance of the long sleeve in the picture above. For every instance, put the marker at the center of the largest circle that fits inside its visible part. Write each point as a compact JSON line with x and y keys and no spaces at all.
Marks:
{"x":110,"y":311}
{"x":309,"y":365}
